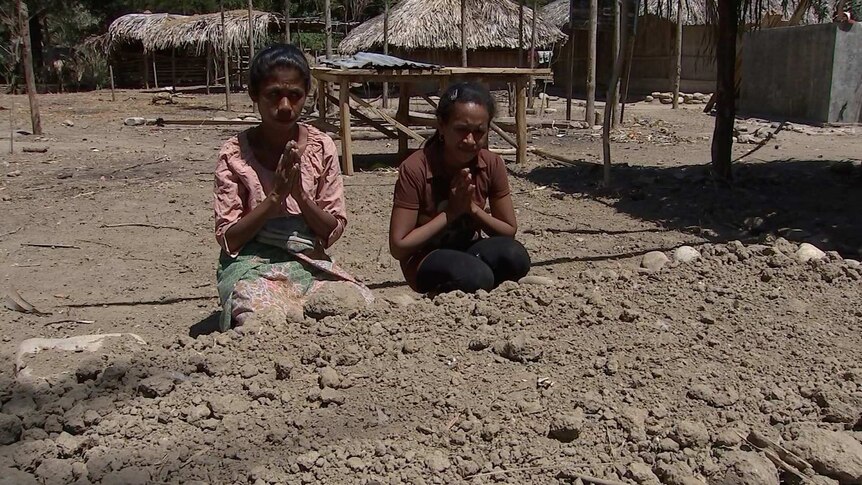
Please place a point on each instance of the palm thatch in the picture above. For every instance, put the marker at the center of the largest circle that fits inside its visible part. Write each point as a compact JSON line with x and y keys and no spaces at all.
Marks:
{"x":436,"y":24}
{"x":166,"y":31}
{"x":698,"y":12}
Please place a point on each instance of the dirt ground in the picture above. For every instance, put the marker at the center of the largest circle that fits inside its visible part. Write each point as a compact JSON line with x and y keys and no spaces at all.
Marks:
{"x":599,"y":368}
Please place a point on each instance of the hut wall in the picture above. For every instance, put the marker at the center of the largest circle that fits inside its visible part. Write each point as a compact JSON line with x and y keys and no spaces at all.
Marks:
{"x":652,"y":62}
{"x":129,"y":70}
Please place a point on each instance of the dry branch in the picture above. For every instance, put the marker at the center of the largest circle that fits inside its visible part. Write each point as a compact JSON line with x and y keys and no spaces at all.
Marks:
{"x":143,"y":224}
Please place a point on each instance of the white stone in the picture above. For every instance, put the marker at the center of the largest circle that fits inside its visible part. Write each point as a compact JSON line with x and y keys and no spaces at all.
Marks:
{"x":537,"y":280}
{"x":686,"y":254}
{"x":654,"y":260}
{"x":807,"y":252}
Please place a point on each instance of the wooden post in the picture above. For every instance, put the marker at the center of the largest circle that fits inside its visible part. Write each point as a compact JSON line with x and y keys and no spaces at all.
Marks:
{"x":725,"y":109}
{"x":533,"y":51}
{"x":677,"y":55}
{"x":570,"y":79}
{"x":146,"y":71}
{"x":627,"y":72}
{"x":520,"y":33}
{"x":615,"y":48}
{"x":346,"y":142}
{"x":322,"y":87}
{"x":591,"y":62}
{"x":287,"y":21}
{"x":155,"y":72}
{"x":224,"y":52}
{"x":386,"y":48}
{"x":250,"y":48}
{"x":111,"y":72}
{"x":521,"y":119}
{"x":327,"y":12}
{"x":463,"y":33}
{"x":612,"y":97}
{"x":174,"y":67}
{"x":403,"y":116}
{"x":29,"y":75}
{"x":209,"y":61}
{"x":12,"y":125}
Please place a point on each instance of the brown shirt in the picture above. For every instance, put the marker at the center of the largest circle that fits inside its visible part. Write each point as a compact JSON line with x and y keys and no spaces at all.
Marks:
{"x":424,"y":185}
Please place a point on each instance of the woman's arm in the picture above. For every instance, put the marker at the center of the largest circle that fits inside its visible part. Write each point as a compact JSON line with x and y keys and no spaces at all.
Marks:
{"x":323,"y":209}
{"x":501,"y":221}
{"x":405,"y":238}
{"x":247,"y":227}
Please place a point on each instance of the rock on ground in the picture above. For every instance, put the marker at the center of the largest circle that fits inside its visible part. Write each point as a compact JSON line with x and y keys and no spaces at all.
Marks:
{"x":745,"y":468}
{"x":691,"y":434}
{"x":654,"y":260}
{"x":835,"y":454}
{"x":807,"y":252}
{"x":10,"y":429}
{"x":334,"y":298}
{"x":686,"y":254}
{"x":566,"y":427}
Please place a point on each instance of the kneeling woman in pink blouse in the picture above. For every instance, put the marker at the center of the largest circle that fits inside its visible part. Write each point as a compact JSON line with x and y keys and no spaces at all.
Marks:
{"x":278,"y":198}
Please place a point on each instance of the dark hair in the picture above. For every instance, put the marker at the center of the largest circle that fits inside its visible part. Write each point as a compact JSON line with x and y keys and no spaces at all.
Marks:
{"x":463,"y":92}
{"x":273,"y":56}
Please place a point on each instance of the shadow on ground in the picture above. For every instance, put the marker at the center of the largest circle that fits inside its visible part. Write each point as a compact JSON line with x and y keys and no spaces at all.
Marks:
{"x":804,"y":201}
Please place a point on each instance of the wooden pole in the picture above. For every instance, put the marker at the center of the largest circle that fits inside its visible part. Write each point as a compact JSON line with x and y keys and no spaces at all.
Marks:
{"x":722,"y":138}
{"x":520,"y":33}
{"x":209,"y":62}
{"x":463,"y":33}
{"x":111,"y":72}
{"x":521,"y":119}
{"x":627,"y":74}
{"x":403,"y":116}
{"x":570,"y":79}
{"x":174,"y":67}
{"x":533,"y":52}
{"x":677,"y":55}
{"x":29,"y":75}
{"x":287,"y":21}
{"x":327,"y":12}
{"x":224,"y":51}
{"x":615,"y":48}
{"x":146,"y":71}
{"x":12,"y":126}
{"x":250,"y":48}
{"x":612,"y":96}
{"x":155,"y":72}
{"x":591,"y":62}
{"x":386,"y":48}
{"x":346,"y":142}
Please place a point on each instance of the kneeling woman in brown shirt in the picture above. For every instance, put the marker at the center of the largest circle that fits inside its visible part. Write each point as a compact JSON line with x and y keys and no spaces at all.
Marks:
{"x":438,"y":213}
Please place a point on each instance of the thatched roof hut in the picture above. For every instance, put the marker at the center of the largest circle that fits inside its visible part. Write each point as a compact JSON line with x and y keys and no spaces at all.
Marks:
{"x":436,"y":24}
{"x":161,"y":31}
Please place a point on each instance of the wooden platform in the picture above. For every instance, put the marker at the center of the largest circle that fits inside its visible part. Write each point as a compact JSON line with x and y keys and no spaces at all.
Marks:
{"x":406,"y":77}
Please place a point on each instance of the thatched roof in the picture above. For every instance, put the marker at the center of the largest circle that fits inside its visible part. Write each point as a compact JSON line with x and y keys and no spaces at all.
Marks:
{"x":695,"y":12}
{"x":436,"y":24}
{"x":165,"y":31}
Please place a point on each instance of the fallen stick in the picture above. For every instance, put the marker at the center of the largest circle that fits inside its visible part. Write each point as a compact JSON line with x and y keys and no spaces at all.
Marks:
{"x":763,"y":142}
{"x":531,"y":468}
{"x":50,"y":246}
{"x":82,"y":322}
{"x":160,"y":160}
{"x":142,"y":224}
{"x":12,"y":232}
{"x":163,"y":301}
{"x":84,"y":194}
{"x":34,"y":150}
{"x":762,"y":442}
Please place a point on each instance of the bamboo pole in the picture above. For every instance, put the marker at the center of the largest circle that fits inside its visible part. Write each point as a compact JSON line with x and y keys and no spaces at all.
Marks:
{"x":12,"y":126}
{"x":226,"y":60}
{"x":463,"y":33}
{"x":286,"y":21}
{"x":533,"y":52}
{"x":346,"y":145}
{"x":386,"y":48}
{"x":155,"y":72}
{"x":250,"y":48}
{"x":111,"y":72}
{"x":327,"y":12}
{"x":29,"y":75}
{"x":570,"y":79}
{"x":615,"y":48}
{"x":146,"y":71}
{"x":591,"y":62}
{"x":677,"y":55}
{"x":209,"y":62}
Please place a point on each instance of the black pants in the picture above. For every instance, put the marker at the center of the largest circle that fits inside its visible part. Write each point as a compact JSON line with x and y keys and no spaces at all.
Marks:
{"x":484,"y":265}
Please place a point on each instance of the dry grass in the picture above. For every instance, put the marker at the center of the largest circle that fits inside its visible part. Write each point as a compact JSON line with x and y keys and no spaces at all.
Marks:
{"x":165,"y":31}
{"x":436,"y":24}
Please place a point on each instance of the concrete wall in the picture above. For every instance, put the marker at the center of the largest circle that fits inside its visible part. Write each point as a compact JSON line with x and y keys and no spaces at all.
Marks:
{"x":809,"y":73}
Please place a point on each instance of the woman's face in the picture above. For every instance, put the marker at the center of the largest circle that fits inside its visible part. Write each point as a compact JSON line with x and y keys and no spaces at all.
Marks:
{"x":465,"y":133}
{"x":281,"y":97}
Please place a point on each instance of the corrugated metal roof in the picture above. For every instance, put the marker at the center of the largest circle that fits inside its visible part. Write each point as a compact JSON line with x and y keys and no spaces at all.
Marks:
{"x":370,"y":60}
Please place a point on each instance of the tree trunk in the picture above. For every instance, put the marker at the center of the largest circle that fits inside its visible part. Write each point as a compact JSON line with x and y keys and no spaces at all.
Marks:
{"x":591,"y":63}
{"x":286,"y":21}
{"x":327,"y":12}
{"x":463,"y":33}
{"x":37,"y":40}
{"x":613,"y":90}
{"x":570,"y":80}
{"x":677,"y":55}
{"x":722,"y":138}
{"x":27,"y":58}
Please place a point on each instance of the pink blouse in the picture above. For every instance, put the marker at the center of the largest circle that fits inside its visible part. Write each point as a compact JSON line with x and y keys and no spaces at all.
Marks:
{"x":241,"y":183}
